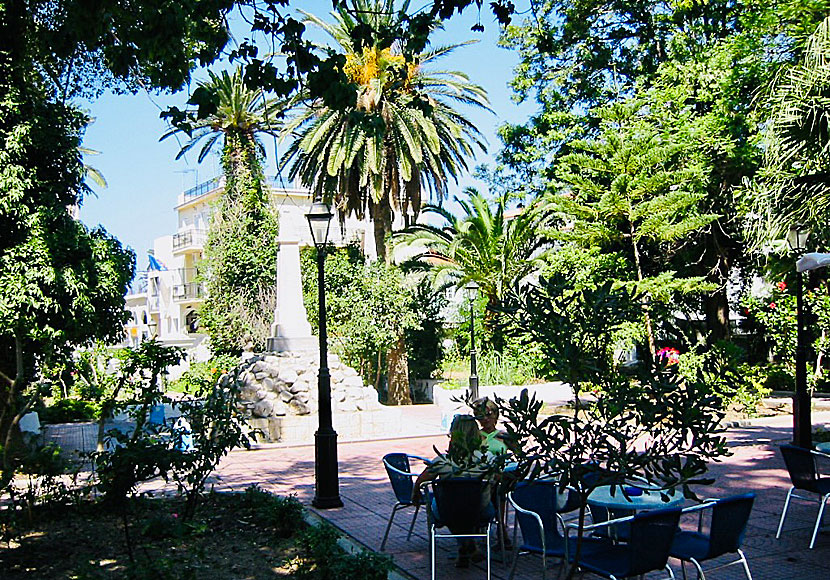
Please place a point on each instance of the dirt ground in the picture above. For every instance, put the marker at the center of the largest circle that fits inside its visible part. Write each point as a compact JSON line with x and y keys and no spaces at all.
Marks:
{"x":225,"y":540}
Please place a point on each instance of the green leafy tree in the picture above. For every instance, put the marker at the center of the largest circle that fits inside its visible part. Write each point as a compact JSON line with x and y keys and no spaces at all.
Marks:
{"x":597,"y":444}
{"x":239,"y":266}
{"x":703,"y":61}
{"x":402,"y":135}
{"x":61,"y":284}
{"x":481,"y":245}
{"x":631,"y":190}
{"x":370,"y":309}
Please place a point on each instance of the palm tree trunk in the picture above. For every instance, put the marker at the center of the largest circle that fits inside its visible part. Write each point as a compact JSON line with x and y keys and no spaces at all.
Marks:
{"x":398,"y":375}
{"x":382,"y":221}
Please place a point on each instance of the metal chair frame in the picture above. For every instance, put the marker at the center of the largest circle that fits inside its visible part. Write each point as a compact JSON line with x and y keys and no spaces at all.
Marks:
{"x":709,"y":503}
{"x":541,"y":524}
{"x":614,"y":522}
{"x":435,"y":536}
{"x":399,"y":505}
{"x":822,"y":502}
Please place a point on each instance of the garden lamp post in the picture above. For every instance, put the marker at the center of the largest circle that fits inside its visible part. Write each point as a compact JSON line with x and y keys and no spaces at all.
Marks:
{"x":802,"y":420}
{"x":471,"y":289}
{"x":327,"y":488}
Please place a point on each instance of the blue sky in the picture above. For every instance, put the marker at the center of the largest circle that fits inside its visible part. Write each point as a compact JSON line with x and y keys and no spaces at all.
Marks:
{"x":145,"y":179}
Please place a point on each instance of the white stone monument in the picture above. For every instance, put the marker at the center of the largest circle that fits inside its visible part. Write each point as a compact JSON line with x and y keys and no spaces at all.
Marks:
{"x":290,"y":331}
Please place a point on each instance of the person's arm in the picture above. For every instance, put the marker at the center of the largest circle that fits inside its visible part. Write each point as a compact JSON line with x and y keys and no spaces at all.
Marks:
{"x":509,"y":442}
{"x":426,"y":475}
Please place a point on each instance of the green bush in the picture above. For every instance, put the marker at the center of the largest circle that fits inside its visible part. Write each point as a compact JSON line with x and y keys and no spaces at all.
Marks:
{"x":68,"y":410}
{"x":724,"y":370}
{"x":203,"y":374}
{"x":322,"y":558}
{"x":284,"y":514}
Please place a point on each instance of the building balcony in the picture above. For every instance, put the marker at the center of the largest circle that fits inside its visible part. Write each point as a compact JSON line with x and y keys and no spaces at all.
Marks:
{"x":189,"y":241}
{"x":190,"y":292}
{"x":153,"y":303}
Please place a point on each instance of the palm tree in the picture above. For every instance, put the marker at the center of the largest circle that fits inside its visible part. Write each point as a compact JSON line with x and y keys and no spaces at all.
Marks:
{"x":240,"y":256}
{"x":403,"y":134}
{"x":241,"y":116}
{"x":483,"y":245}
{"x":793,"y":187}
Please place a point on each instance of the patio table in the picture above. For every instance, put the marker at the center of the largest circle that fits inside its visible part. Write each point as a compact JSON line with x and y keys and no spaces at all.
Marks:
{"x":649,"y":500}
{"x":618,"y":506}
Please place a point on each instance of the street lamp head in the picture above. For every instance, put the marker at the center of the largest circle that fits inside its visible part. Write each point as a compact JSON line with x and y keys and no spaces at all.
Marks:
{"x":797,"y":238}
{"x":152,"y":326}
{"x":471,"y":290}
{"x":319,"y":220}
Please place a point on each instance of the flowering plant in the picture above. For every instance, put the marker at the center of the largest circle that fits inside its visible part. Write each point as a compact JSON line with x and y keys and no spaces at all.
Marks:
{"x":669,"y":355}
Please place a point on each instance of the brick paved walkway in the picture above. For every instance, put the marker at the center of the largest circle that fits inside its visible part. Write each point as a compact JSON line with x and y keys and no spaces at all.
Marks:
{"x":755,"y":465}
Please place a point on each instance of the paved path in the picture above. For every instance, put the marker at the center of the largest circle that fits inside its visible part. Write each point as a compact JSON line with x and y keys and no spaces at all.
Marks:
{"x":755,"y":465}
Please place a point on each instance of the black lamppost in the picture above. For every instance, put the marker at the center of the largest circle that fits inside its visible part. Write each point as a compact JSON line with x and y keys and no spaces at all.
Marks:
{"x":802,"y":420}
{"x":327,"y":487}
{"x":471,"y":289}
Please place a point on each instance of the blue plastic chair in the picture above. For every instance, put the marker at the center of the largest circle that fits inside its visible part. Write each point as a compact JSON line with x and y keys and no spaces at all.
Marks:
{"x":801,"y":465}
{"x":726,"y":534}
{"x":400,"y":476}
{"x":647,"y":549}
{"x":459,"y":507}
{"x":539,"y":505}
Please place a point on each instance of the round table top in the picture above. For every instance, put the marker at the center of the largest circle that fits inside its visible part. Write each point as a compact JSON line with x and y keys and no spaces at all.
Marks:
{"x":823,"y":447}
{"x":649,"y":500}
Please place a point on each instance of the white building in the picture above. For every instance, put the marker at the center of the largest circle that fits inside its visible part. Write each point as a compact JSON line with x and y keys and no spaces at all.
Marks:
{"x":164,"y":299}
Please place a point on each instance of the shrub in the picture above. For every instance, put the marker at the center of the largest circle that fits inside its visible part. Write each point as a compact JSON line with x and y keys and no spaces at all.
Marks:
{"x":284,"y":514}
{"x":322,"y":558}
{"x":68,"y":410}
{"x":201,"y":375}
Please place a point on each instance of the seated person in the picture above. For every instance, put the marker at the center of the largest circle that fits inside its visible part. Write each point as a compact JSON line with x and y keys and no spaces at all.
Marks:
{"x":496,"y":440}
{"x":464,"y":458}
{"x":498,"y":444}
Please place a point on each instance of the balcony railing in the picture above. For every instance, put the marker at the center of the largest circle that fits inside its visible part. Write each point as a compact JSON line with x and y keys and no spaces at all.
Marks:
{"x":189,"y":291}
{"x":202,"y":188}
{"x":189,"y":239}
{"x":138,"y":285}
{"x":153,"y":303}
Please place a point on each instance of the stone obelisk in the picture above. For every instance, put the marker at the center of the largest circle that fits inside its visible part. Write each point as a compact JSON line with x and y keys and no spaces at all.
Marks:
{"x":290,"y":331}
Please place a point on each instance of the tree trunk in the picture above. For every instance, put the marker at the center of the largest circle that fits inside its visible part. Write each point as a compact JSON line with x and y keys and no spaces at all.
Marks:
{"x":398,"y":375}
{"x":716,"y":309}
{"x":652,"y":346}
{"x":382,"y":222}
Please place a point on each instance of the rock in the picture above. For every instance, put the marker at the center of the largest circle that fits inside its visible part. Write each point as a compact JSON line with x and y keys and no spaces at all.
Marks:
{"x":279,"y":408}
{"x":257,"y":367}
{"x":299,"y":408}
{"x":288,"y":375}
{"x":268,"y":383}
{"x":347,"y":407}
{"x":353,"y":381}
{"x":263,"y":409}
{"x":261,"y":375}
{"x":273,"y":360}
{"x":286,"y":396}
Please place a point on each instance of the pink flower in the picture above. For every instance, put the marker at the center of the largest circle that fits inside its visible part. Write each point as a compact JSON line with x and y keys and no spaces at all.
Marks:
{"x":782,"y":286}
{"x":772,"y":305}
{"x":671,"y":355}
{"x":175,"y":516}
